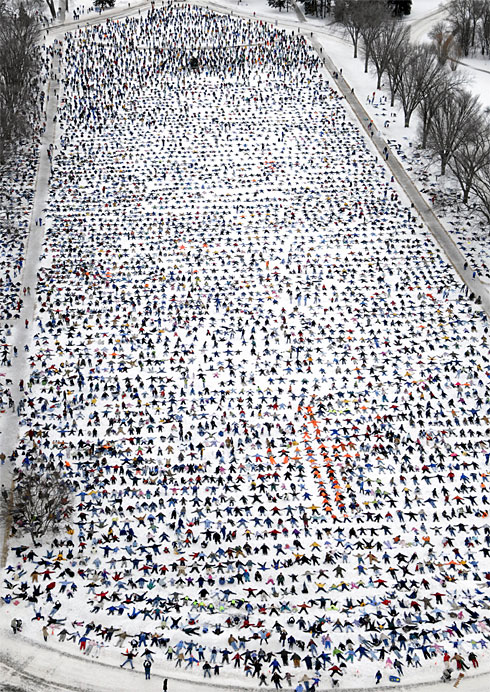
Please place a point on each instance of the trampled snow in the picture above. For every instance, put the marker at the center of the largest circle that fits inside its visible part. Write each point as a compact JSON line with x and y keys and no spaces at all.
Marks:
{"x":264,"y":380}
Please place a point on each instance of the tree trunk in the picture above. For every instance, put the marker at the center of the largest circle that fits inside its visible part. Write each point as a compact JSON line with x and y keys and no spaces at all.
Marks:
{"x":52,"y":9}
{"x":466,"y":192}
{"x":425,"y":132}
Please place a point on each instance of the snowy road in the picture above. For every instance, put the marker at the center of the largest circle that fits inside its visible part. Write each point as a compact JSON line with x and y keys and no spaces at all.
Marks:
{"x":27,"y":667}
{"x":421,"y":26}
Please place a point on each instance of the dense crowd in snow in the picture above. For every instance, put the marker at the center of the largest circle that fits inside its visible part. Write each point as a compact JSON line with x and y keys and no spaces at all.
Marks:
{"x":266,"y":384}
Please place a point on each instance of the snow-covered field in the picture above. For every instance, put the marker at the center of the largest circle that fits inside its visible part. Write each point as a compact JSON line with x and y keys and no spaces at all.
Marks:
{"x":268,"y":387}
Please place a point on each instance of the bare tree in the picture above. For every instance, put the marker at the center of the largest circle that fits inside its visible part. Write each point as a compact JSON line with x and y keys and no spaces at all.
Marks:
{"x":454,"y":120}
{"x":444,"y":42}
{"x":19,"y":65}
{"x":476,"y":14}
{"x":481,"y":188}
{"x":105,"y":4}
{"x":463,"y":17}
{"x":41,"y":500}
{"x":372,"y":27}
{"x":400,"y":7}
{"x":52,"y":8}
{"x":471,"y":157}
{"x":279,"y":4}
{"x":416,"y":75}
{"x":483,"y":29}
{"x":352,"y":14}
{"x":443,"y":85}
{"x":320,"y":8}
{"x":397,"y":59}
{"x":391,"y":40}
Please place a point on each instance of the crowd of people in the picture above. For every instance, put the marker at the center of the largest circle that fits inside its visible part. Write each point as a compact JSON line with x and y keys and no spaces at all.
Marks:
{"x":265,"y":383}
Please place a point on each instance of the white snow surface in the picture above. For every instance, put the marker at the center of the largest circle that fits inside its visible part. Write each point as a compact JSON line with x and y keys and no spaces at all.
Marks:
{"x":265,"y":382}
